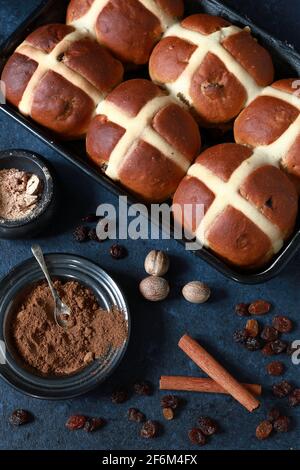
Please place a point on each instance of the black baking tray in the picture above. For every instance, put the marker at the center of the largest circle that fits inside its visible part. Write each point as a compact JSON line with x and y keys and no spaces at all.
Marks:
{"x":287,"y":64}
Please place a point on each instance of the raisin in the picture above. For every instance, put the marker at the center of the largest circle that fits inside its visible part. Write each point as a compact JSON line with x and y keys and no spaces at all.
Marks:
{"x":168,"y":414}
{"x":81,"y":234}
{"x":20,"y":417}
{"x":93,"y":235}
{"x":273,"y":414}
{"x":240,"y":336}
{"x":275,"y":368}
{"x":207,"y":426}
{"x":264,"y":430}
{"x":259,"y":307}
{"x":269,"y":333}
{"x":197,"y":437}
{"x":90,"y":218}
{"x":170,"y":401}
{"x":119,"y":396}
{"x":294,"y":398}
{"x":253,"y":344}
{"x":118,"y":251}
{"x":282,"y":324}
{"x":282,"y":424}
{"x":76,"y":422}
{"x":93,"y":424}
{"x":149,"y":430}
{"x":143,"y":388}
{"x":267,"y":350}
{"x":242,"y":310}
{"x":252,"y":328}
{"x":282,"y":389}
{"x":136,"y":415}
{"x":278,"y":346}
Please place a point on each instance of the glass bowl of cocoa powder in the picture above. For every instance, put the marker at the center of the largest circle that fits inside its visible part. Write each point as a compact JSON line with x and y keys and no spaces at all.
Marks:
{"x":44,"y":360}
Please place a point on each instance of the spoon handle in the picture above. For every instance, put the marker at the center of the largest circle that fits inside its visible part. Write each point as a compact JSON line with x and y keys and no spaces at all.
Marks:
{"x":38,"y":254}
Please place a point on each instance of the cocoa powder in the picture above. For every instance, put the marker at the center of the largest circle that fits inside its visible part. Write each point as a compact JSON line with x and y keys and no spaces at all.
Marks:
{"x":52,"y":350}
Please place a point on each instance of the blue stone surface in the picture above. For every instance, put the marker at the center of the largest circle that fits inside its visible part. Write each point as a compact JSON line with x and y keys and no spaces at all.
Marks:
{"x":157,"y":328}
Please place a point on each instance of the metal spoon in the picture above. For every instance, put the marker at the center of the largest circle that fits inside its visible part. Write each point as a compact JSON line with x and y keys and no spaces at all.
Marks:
{"x":61,"y":310}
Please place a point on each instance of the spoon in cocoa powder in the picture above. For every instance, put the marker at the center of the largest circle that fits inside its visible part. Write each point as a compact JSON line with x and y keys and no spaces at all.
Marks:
{"x":61,"y":310}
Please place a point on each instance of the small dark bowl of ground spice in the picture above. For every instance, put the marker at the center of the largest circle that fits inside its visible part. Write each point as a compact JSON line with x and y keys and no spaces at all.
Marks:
{"x":28,"y":194}
{"x":45,"y":360}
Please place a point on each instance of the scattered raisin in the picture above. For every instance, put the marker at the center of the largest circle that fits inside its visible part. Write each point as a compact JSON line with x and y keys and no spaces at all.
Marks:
{"x":242,"y":310}
{"x":119,"y":396}
{"x":269,"y":333}
{"x":282,"y":389}
{"x":168,"y":414}
{"x":278,"y":346}
{"x":275,"y":368}
{"x":149,"y":429}
{"x":259,"y":307}
{"x":197,"y":437}
{"x":264,"y":430}
{"x":93,"y":424}
{"x":240,"y":336}
{"x":143,"y":388}
{"x":90,"y":218}
{"x":118,"y":251}
{"x":267,"y":350}
{"x":253,"y":344}
{"x":282,"y":424}
{"x":76,"y":422}
{"x":207,"y":426}
{"x":252,"y":328}
{"x":273,"y":414}
{"x":294,"y":398}
{"x":81,"y":234}
{"x":20,"y":417}
{"x":282,"y":324}
{"x":136,"y":415}
{"x":170,"y":401}
{"x":93,"y":235}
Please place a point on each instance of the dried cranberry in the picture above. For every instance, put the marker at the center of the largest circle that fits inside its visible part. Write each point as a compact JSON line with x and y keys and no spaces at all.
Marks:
{"x":119,"y":396}
{"x":282,"y":424}
{"x":20,"y":417}
{"x":81,"y":234}
{"x":242,"y":310}
{"x":240,"y":336}
{"x":259,"y":307}
{"x":252,"y":328}
{"x":269,"y":333}
{"x":149,"y":429}
{"x":197,"y":437}
{"x":273,"y":414}
{"x":136,"y":415}
{"x":253,"y":344}
{"x":168,"y":414}
{"x":76,"y":422}
{"x":267,"y":350}
{"x":275,"y":368}
{"x":264,"y":430}
{"x":93,"y":235}
{"x":118,"y":252}
{"x":143,"y":388}
{"x":207,"y":426}
{"x":170,"y":401}
{"x":93,"y":424}
{"x":282,"y":324}
{"x":278,"y":346}
{"x":282,"y":389}
{"x":294,"y":398}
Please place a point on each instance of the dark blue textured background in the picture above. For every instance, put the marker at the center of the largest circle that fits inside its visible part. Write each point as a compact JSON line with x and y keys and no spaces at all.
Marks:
{"x":156,"y":328}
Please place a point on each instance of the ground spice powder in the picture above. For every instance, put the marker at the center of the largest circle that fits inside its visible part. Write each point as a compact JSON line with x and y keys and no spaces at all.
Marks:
{"x":52,"y":350}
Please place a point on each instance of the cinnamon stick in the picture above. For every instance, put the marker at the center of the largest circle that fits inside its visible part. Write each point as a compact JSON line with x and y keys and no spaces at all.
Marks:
{"x":217,"y":372}
{"x":199,"y":384}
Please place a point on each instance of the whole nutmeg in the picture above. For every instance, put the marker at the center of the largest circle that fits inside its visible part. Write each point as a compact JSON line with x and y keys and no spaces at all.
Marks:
{"x":157,"y":263}
{"x":196,"y":292}
{"x":154,"y":288}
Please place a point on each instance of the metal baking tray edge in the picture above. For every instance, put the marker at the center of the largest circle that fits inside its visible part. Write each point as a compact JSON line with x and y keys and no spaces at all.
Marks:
{"x":285,"y":57}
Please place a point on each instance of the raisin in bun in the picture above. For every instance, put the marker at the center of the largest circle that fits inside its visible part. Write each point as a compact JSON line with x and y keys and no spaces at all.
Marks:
{"x":143,"y":139}
{"x":249,"y":205}
{"x":212,"y":66}
{"x":58,"y":76}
